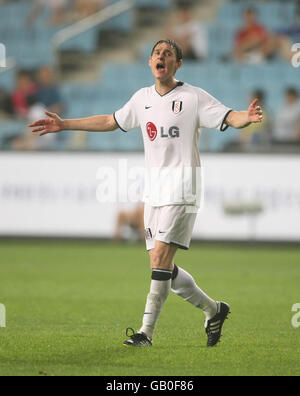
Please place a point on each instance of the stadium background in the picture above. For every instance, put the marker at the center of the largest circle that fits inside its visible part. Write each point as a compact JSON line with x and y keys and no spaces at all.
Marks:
{"x":67,"y":302}
{"x":98,"y":66}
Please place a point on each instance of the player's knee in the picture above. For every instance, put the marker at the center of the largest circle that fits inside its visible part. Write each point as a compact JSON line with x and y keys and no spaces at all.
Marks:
{"x":160,"y":259}
{"x":122,"y":217}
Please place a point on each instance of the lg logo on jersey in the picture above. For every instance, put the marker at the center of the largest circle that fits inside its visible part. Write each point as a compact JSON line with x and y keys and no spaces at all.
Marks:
{"x":152,"y":131}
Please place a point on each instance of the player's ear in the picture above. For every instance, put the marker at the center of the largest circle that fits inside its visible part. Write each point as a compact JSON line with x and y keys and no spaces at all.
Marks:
{"x":179,"y":64}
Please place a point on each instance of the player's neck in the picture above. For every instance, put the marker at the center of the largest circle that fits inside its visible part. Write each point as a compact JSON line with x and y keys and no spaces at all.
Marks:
{"x":163,"y":87}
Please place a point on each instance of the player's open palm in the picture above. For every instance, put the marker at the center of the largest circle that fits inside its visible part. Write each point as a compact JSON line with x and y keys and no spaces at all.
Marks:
{"x":53,"y":124}
{"x":255,"y":113}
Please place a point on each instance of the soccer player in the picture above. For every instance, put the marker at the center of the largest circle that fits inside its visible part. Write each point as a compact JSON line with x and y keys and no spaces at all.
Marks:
{"x":170,"y":114}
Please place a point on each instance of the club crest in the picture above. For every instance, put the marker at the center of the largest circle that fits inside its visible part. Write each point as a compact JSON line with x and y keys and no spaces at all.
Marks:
{"x":177,"y":107}
{"x":148,"y":233}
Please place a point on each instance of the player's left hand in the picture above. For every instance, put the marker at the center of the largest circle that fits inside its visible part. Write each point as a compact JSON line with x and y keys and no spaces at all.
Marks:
{"x":255,"y":113}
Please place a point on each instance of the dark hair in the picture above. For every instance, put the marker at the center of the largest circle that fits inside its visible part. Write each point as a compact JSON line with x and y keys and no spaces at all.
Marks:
{"x":32,"y":100}
{"x":252,"y":10}
{"x":291,"y":91}
{"x":24,"y":73}
{"x":259,"y":94}
{"x":185,"y":4}
{"x":174,"y":45}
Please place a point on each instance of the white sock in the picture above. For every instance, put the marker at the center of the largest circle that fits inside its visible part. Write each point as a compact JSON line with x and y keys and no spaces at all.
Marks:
{"x":185,"y":286}
{"x":159,"y":291}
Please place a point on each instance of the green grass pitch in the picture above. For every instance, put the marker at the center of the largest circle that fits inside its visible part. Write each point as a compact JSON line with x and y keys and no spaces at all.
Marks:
{"x":68,"y":305}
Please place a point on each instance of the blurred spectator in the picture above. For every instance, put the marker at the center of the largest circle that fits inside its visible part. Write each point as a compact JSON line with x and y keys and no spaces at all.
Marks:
{"x":134,"y":219}
{"x":57,"y":9}
{"x":254,"y":44}
{"x":293,"y":32}
{"x":6,"y":108}
{"x":47,"y":91}
{"x":25,"y":87}
{"x":257,"y":135}
{"x":287,"y":121}
{"x":28,"y":140}
{"x":88,"y":7}
{"x":188,"y":32}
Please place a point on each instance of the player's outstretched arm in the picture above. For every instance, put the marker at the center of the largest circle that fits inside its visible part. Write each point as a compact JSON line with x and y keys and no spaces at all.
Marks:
{"x":54,"y":124}
{"x":241,"y":119}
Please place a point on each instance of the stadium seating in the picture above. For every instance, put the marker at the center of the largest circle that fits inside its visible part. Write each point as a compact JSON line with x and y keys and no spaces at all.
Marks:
{"x":8,"y":130}
{"x":163,"y":5}
{"x":31,"y":45}
{"x":86,"y":42}
{"x":122,"y":23}
{"x":7,"y":80}
{"x":229,"y":82}
{"x":274,"y":14}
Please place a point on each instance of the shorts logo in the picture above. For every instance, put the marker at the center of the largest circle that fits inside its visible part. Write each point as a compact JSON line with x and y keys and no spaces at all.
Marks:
{"x":176,"y":107}
{"x":148,"y":233}
{"x":152,"y":131}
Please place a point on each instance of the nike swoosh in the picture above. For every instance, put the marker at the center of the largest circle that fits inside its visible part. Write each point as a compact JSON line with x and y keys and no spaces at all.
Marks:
{"x":162,"y":232}
{"x":148,"y":107}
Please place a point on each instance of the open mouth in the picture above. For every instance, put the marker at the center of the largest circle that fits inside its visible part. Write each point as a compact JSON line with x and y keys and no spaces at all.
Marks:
{"x":160,"y":66}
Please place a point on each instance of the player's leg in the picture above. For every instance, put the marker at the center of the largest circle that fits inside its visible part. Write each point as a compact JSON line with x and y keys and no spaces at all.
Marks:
{"x":178,"y":222}
{"x":122,"y":220}
{"x":140,"y":216}
{"x":159,"y":224}
{"x":184,"y":285}
{"x":161,"y":259}
{"x":166,"y":229}
{"x":172,"y":227}
{"x":132,"y":218}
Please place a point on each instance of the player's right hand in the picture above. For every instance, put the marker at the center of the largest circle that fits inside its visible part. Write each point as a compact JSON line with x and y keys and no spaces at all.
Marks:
{"x":53,"y":124}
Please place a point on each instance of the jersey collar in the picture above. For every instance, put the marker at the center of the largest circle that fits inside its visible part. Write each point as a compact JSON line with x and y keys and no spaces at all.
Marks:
{"x":179,"y":84}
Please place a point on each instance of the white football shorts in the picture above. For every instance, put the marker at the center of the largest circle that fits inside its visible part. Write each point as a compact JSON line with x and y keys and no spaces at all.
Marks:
{"x":173,"y":225}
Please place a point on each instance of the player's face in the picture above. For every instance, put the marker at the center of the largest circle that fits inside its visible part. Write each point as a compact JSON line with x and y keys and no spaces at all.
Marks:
{"x":163,"y":62}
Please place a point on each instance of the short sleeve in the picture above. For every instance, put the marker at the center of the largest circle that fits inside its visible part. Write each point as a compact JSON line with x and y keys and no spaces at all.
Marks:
{"x":212,"y":113}
{"x":126,"y":117}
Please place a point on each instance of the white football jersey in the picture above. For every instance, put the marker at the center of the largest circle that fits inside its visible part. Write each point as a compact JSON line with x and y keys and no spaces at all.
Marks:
{"x":171,"y":127}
